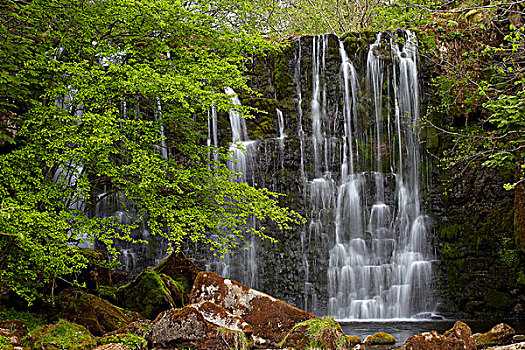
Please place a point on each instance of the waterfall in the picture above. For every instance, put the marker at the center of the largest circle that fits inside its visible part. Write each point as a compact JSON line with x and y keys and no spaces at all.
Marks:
{"x":380,"y":265}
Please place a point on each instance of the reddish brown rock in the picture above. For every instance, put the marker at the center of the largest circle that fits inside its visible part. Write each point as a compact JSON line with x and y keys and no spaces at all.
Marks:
{"x":201,"y":326}
{"x":457,"y":338}
{"x":270,"y":318}
{"x":500,"y":334}
{"x":112,"y":346}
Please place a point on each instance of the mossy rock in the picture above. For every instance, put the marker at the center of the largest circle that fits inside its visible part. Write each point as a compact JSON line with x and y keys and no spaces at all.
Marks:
{"x":5,"y":344}
{"x":96,"y":314}
{"x":500,"y":334}
{"x":149,"y":294}
{"x":129,"y":340}
{"x":380,"y":338}
{"x":181,"y":270}
{"x":63,"y":335}
{"x":324,"y":333}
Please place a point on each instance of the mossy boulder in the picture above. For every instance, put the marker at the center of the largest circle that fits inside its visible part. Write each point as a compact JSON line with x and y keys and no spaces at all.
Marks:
{"x":181,"y":271}
{"x":96,"y":314}
{"x":151,"y":293}
{"x":457,"y":338}
{"x":63,"y":335}
{"x":324,"y":333}
{"x":499,"y":335}
{"x":380,"y":338}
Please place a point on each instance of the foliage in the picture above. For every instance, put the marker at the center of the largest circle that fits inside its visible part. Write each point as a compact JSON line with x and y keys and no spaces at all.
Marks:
{"x":62,"y":335}
{"x":31,"y":320}
{"x":129,"y":340}
{"x":85,"y":88}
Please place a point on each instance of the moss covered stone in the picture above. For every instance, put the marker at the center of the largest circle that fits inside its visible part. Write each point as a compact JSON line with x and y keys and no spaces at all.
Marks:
{"x":380,"y":338}
{"x":63,"y":335}
{"x":96,"y":314}
{"x":148,"y":294}
{"x":324,"y":333}
{"x":499,"y":335}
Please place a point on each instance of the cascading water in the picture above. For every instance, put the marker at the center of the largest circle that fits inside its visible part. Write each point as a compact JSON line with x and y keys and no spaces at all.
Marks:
{"x":347,"y":153}
{"x":380,"y":266}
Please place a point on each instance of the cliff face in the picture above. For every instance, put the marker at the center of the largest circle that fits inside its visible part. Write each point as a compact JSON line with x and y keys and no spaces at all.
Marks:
{"x":319,"y":123}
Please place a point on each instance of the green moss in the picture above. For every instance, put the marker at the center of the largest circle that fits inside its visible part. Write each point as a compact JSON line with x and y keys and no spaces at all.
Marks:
{"x":282,"y":78}
{"x":497,"y":300}
{"x":324,"y":333}
{"x":147,"y":294}
{"x":129,"y":340}
{"x":380,"y":338}
{"x":108,"y":293}
{"x":32,"y":321}
{"x":62,"y":335}
{"x":5,"y":344}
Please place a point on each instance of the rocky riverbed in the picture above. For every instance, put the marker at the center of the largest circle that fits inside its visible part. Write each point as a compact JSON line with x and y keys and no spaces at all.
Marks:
{"x":175,"y":306}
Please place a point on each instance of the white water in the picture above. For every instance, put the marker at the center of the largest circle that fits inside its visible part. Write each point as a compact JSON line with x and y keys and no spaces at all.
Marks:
{"x":380,"y":267}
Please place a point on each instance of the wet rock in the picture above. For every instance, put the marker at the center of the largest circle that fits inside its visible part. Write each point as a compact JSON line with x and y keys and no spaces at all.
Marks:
{"x":500,"y":334}
{"x":518,"y":346}
{"x":96,"y":314}
{"x":518,"y":338}
{"x":63,"y":335}
{"x":150,"y":294}
{"x":457,"y":338}
{"x":202,"y":326}
{"x":95,"y":274}
{"x":270,"y":318}
{"x":324,"y":333}
{"x":380,"y":338}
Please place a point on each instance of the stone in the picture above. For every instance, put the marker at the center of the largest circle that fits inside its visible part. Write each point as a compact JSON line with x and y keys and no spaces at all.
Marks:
{"x":380,"y":338}
{"x":500,"y":334}
{"x":17,"y":329}
{"x":149,"y":294}
{"x":112,"y":346}
{"x":270,"y":318}
{"x":518,"y":338}
{"x":324,"y":333}
{"x":457,"y":338}
{"x":202,"y":326}
{"x":518,"y":346}
{"x":96,"y":314}
{"x":180,"y":269}
{"x":63,"y":335}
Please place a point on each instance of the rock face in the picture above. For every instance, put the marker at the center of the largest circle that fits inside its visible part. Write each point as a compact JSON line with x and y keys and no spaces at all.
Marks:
{"x":457,"y":338}
{"x":324,"y":333}
{"x":202,"y":326}
{"x":500,"y":334}
{"x":271,"y":319}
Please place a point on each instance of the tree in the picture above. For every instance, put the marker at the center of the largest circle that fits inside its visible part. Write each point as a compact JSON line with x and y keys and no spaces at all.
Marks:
{"x":85,"y":88}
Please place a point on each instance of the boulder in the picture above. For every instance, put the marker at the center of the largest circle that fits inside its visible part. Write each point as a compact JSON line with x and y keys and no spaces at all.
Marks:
{"x":112,"y":346}
{"x":181,"y":270}
{"x":63,"y":335}
{"x":149,"y":294}
{"x":202,"y":326}
{"x":324,"y":333}
{"x":380,"y":338}
{"x":500,"y":334}
{"x":96,"y":314}
{"x":270,"y":318}
{"x":457,"y":338}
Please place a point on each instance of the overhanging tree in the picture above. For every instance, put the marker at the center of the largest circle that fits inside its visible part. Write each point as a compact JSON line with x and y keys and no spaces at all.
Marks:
{"x":85,"y":87}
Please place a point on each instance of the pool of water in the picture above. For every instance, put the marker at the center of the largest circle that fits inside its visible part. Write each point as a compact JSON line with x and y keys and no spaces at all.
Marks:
{"x":402,"y":329}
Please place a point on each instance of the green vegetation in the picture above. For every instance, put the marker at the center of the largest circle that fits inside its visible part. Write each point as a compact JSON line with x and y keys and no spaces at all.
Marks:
{"x":85,"y":88}
{"x":31,"y":320}
{"x":129,"y":340}
{"x":62,"y":336}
